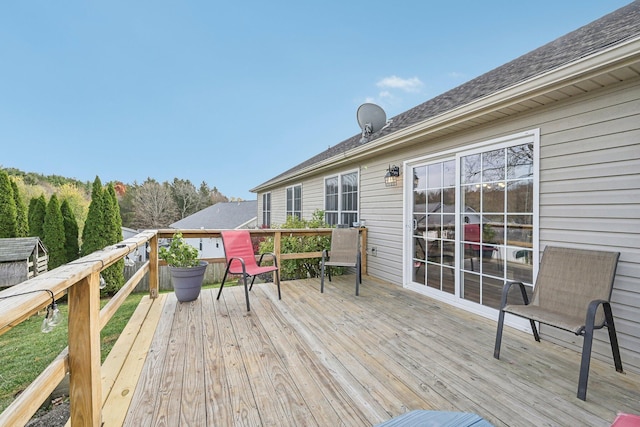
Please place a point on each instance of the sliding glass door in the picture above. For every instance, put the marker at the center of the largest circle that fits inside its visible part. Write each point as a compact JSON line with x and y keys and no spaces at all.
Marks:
{"x":496,"y":193}
{"x":472,"y":221}
{"x":433,"y":211}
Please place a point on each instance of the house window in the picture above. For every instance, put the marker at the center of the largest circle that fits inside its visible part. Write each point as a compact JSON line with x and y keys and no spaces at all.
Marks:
{"x":294,"y":201}
{"x":341,"y":199}
{"x":266,"y":210}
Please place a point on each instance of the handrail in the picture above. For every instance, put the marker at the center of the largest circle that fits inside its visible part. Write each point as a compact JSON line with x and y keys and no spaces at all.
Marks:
{"x":80,"y":280}
{"x":85,"y":322}
{"x":277,"y":234}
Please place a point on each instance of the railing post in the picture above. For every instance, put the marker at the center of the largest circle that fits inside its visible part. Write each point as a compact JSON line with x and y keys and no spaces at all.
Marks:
{"x":154,"y":273}
{"x":85,"y":388}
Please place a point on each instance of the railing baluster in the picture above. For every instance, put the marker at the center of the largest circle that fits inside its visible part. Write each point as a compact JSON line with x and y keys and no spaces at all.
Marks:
{"x":154,"y":276}
{"x":277,"y":250}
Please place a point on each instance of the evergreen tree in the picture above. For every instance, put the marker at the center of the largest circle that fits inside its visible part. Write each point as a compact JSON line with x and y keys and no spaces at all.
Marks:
{"x":113,"y":275}
{"x":117,"y":219}
{"x":30,"y":210}
{"x":8,"y":223}
{"x":93,"y":233}
{"x":217,"y":196}
{"x":72,"y":249}
{"x":22,"y":223}
{"x":37,"y":212}
{"x":54,"y":238}
{"x":204,"y":195}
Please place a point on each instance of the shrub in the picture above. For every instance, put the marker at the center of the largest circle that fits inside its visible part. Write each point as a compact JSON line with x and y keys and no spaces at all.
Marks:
{"x":306,"y":267}
{"x":179,"y":253}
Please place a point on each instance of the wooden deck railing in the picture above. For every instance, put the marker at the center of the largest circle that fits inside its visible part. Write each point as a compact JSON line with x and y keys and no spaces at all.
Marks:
{"x":80,"y":281}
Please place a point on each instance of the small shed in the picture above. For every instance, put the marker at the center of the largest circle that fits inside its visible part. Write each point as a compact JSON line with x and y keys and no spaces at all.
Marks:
{"x":21,"y":258}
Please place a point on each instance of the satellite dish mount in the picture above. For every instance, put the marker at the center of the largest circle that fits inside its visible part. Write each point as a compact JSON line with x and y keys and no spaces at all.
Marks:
{"x":371,"y":119}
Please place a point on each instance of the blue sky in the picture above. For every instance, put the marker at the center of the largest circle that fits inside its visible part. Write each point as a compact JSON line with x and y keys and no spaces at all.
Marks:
{"x":234,"y":93}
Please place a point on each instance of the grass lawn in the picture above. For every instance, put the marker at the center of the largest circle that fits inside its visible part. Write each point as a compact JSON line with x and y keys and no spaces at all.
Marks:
{"x":25,"y":351}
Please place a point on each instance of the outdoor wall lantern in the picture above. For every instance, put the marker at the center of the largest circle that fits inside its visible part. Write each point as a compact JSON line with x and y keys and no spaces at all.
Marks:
{"x":392,"y":175}
{"x":53,"y":316}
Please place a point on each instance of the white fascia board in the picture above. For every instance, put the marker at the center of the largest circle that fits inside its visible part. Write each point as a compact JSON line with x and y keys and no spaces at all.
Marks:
{"x":244,"y":224}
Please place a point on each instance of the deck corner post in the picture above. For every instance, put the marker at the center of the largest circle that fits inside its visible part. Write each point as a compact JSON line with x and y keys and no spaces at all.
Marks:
{"x":85,"y":389}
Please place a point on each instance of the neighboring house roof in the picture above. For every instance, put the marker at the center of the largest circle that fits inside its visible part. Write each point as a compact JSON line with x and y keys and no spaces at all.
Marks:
{"x":19,"y":248}
{"x":130,"y":231}
{"x":221,"y":216}
{"x":613,"y":29}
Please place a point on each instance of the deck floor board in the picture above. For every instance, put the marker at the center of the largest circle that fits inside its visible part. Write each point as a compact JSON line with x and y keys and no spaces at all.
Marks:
{"x":337,"y":359}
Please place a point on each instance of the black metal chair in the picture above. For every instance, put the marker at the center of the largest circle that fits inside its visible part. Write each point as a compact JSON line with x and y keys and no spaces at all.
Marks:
{"x":572,"y":292}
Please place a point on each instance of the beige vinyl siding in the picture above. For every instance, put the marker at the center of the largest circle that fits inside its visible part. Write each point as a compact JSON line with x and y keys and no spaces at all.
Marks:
{"x":279,"y":205}
{"x":259,"y":212}
{"x":381,"y":208}
{"x":312,"y":197}
{"x":590,"y":197}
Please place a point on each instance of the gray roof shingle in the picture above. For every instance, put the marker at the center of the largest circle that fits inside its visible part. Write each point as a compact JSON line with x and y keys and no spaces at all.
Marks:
{"x":17,"y":249}
{"x":616,"y":27}
{"x":221,"y":216}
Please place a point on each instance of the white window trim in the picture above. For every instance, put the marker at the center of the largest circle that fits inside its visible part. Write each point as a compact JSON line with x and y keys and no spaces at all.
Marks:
{"x":495,"y":143}
{"x":339,"y":175}
{"x":287,"y":213}
{"x":268,"y":193}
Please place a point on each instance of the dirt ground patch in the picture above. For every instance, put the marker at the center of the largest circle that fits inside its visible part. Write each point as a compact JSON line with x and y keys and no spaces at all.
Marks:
{"x":55,"y":416}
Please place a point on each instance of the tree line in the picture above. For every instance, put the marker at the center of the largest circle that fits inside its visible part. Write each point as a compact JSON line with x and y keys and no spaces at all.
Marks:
{"x":56,"y":209}
{"x":55,"y":224}
{"x":151,"y":204}
{"x":157,"y":205}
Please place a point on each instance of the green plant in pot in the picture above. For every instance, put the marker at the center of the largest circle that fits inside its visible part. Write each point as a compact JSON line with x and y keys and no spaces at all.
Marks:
{"x":186,"y":268}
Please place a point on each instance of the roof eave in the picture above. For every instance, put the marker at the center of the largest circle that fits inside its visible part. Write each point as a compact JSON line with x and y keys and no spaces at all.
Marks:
{"x":619,"y":56}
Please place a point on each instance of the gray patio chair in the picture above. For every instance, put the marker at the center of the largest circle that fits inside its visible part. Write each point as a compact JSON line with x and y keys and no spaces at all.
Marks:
{"x":571,"y":286}
{"x":344,"y":252}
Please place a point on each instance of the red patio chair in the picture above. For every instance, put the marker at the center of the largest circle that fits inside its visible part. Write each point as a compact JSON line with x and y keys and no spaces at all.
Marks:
{"x":472,"y":233}
{"x":238,"y":251}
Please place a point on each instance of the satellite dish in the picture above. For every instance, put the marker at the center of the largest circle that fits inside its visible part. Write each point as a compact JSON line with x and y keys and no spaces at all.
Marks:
{"x":371,"y":119}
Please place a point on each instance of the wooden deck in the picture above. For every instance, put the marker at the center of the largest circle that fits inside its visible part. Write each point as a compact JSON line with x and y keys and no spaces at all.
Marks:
{"x":336,"y":359}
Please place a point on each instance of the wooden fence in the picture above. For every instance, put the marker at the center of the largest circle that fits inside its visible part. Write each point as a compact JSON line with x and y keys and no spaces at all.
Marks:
{"x":214,"y":274}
